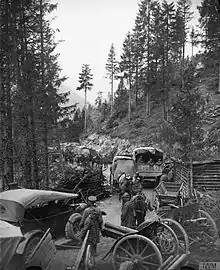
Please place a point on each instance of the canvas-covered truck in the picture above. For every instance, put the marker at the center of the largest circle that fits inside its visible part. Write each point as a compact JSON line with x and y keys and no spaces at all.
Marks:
{"x":149,"y":165}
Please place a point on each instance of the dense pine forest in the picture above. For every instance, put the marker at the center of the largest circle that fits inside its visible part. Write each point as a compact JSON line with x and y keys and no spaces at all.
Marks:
{"x":165,"y":95}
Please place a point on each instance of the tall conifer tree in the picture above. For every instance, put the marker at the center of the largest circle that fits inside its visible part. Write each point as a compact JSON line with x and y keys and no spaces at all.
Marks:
{"x":85,"y":77}
{"x":112,"y":69}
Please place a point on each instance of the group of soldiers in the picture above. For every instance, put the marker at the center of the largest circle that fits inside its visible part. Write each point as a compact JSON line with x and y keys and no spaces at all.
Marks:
{"x":134,"y":206}
{"x":134,"y":202}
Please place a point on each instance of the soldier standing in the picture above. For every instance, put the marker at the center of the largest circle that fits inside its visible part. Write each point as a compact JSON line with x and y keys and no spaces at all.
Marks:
{"x":127,"y":213}
{"x":92,"y":221}
{"x":140,"y":207}
{"x":91,"y":206}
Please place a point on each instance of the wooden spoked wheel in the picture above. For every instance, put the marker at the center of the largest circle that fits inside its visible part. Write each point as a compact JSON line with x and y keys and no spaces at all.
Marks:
{"x":181,"y":234}
{"x":166,"y":240}
{"x":89,"y":262}
{"x":203,"y":230}
{"x":138,"y":249}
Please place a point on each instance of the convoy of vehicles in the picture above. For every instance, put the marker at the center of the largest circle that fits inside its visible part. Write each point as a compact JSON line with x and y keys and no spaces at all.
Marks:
{"x":147,"y":162}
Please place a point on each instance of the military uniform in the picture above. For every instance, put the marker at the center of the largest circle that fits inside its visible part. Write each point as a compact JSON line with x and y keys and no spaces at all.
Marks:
{"x":127,"y":215}
{"x":140,"y":208}
{"x":92,"y":221}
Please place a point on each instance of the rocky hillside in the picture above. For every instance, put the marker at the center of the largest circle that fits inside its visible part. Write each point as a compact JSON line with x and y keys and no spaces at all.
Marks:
{"x":144,"y":130}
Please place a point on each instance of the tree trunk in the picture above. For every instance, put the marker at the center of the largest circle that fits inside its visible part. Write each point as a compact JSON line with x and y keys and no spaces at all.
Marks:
{"x":85,"y":124}
{"x":31,"y":115}
{"x":136,"y":84}
{"x":9,"y":146}
{"x":112,"y":92}
{"x":164,"y":95}
{"x":46,"y":156}
{"x":129,"y":101}
{"x":27,"y":167}
{"x":2,"y":112}
{"x":43,"y":90}
{"x":60,"y":150}
{"x":2,"y":134}
{"x":129,"y":81}
{"x":23,"y":86}
{"x":148,"y":109}
{"x":219,"y":77}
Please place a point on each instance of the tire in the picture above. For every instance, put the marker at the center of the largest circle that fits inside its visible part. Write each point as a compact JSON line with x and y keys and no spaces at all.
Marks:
{"x":128,"y":265}
{"x":30,"y":246}
{"x":72,"y":230}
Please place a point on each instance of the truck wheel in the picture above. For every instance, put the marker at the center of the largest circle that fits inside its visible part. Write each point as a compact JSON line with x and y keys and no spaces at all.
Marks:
{"x":72,"y":230}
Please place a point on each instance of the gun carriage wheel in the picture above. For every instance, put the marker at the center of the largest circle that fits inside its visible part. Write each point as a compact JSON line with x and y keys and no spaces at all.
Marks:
{"x":163,"y":236}
{"x":138,"y":249}
{"x":181,"y":234}
{"x":202,"y":228}
{"x":166,"y":240}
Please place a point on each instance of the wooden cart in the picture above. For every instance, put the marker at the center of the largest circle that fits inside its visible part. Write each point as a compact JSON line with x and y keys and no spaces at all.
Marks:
{"x":170,"y":193}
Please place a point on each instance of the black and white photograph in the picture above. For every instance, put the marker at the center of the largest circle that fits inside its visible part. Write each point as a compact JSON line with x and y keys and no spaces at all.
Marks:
{"x":109,"y":134}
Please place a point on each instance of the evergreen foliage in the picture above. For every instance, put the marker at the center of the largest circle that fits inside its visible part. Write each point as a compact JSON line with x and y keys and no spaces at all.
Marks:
{"x":31,"y":103}
{"x":85,"y":77}
{"x":185,"y":125}
{"x":112,"y":70}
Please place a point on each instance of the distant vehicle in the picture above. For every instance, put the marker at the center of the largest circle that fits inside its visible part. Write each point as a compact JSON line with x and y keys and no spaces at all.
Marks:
{"x":122,"y":164}
{"x":34,"y":211}
{"x":149,"y":165}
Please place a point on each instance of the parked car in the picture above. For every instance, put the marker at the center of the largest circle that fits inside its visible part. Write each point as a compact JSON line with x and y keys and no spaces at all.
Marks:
{"x":34,"y":211}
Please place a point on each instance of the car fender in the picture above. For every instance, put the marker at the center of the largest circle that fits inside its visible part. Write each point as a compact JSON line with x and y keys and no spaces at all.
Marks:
{"x":27,"y":236}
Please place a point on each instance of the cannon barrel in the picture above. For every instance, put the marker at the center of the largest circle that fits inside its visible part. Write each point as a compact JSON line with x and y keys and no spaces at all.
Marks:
{"x":116,"y":231}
